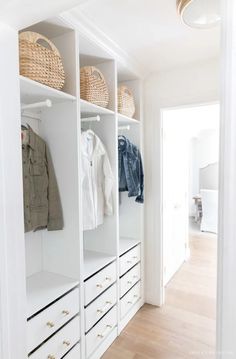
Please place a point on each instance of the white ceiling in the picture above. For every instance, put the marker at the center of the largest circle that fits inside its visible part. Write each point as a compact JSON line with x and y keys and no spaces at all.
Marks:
{"x":151,"y":32}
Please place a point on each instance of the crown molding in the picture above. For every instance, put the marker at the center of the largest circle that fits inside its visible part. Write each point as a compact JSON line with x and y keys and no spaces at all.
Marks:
{"x":87,"y":28}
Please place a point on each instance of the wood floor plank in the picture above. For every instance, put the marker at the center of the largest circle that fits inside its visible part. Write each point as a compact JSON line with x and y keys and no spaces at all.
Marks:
{"x":184,"y":328}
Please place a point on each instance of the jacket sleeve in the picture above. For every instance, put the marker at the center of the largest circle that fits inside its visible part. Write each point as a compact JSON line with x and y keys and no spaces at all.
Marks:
{"x":140,"y":197}
{"x":55,"y":216}
{"x":108,"y":185}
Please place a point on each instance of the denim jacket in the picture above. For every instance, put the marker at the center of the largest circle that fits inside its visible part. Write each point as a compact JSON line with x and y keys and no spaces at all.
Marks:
{"x":131,"y":176}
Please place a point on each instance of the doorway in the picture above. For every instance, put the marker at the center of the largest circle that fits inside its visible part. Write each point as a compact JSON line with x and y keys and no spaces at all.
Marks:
{"x":190,"y":156}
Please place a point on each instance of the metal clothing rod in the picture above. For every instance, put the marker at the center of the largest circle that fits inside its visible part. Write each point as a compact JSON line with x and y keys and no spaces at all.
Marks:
{"x":124,"y":127}
{"x":46,"y":103}
{"x":91,"y":119}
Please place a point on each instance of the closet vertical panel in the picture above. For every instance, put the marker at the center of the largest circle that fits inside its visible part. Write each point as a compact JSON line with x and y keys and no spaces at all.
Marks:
{"x":59,"y":129}
{"x":12,"y":256}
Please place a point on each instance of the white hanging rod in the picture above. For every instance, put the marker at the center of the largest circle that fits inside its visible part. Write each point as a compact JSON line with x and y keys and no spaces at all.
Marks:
{"x":91,"y":119}
{"x":124,"y":127}
{"x":46,"y":103}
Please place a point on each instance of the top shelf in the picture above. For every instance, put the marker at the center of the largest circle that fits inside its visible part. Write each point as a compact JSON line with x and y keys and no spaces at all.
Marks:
{"x":32,"y":91}
{"x":125,"y":120}
{"x":44,"y":287}
{"x":95,"y":261}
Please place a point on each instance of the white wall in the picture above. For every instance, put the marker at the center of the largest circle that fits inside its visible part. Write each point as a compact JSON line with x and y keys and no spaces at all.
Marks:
{"x":193,"y":84}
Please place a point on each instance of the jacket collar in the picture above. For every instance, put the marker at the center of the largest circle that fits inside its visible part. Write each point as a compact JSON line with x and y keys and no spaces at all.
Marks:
{"x":32,"y":136}
{"x":98,"y":148}
{"x":124,"y":144}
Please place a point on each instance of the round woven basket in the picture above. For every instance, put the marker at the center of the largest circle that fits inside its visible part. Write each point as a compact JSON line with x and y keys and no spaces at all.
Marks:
{"x":93,"y":86}
{"x":40,"y":60}
{"x":126,"y":105}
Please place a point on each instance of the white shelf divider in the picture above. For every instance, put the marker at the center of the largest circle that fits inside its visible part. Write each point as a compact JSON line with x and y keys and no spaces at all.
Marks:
{"x":88,"y":108}
{"x":95,"y":261}
{"x":33,"y":91}
{"x":45,"y":287}
{"x":125,"y":120}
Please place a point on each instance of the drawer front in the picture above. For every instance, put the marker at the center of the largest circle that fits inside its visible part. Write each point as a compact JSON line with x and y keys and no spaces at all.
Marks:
{"x":130,"y":299}
{"x":99,"y":307}
{"x":51,"y":319}
{"x":60,"y":343}
{"x":129,"y":259}
{"x":129,"y":279}
{"x":99,"y":282}
{"x":101,"y":331}
{"x":74,"y":353}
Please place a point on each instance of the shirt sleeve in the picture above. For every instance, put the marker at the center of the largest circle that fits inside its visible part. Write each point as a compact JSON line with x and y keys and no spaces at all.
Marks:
{"x":55,"y":215}
{"x":108,"y":185}
{"x":140,"y":197}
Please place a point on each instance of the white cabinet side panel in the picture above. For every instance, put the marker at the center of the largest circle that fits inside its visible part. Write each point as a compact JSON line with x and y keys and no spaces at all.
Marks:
{"x":12,"y":258}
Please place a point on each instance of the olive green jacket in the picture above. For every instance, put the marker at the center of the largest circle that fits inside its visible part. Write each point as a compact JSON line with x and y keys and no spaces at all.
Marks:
{"x":42,"y":205}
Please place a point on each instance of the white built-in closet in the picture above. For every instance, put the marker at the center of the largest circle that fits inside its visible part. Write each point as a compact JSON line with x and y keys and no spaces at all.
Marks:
{"x":82,"y":287}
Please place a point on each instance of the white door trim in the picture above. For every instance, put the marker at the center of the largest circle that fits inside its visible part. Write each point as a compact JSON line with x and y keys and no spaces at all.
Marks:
{"x":226,"y":294}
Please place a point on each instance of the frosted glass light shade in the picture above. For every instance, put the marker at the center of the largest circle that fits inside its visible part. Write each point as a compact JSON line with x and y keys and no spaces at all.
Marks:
{"x":199,"y":13}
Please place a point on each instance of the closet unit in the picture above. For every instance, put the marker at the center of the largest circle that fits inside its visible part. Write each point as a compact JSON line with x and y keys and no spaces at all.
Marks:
{"x":83,"y":286}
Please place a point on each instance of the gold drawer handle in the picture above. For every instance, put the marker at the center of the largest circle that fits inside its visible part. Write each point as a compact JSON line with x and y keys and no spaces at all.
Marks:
{"x":106,"y":306}
{"x":100,"y":285}
{"x":50,"y":356}
{"x":102,"y":335}
{"x":66,"y":342}
{"x":50,"y":324}
{"x":66,"y":312}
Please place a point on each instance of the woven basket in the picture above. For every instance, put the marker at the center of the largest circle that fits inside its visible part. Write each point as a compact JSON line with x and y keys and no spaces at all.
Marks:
{"x":126,"y":105}
{"x":40,"y":60}
{"x":93,"y":87}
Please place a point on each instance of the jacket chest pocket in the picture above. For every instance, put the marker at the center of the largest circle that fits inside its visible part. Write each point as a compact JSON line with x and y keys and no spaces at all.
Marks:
{"x":37,"y":167}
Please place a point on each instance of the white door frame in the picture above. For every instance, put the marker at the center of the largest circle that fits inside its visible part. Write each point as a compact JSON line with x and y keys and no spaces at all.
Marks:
{"x":195,"y":104}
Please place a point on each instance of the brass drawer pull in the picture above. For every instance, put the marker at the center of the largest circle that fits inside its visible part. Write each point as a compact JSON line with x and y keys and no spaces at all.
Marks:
{"x":50,"y":356}
{"x":66,"y":312}
{"x":66,"y":342}
{"x":50,"y":324}
{"x":104,"y":309}
{"x":102,"y":335}
{"x":107,"y":279}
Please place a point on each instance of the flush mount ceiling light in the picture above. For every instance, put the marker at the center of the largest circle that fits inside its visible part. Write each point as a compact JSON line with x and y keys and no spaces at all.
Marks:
{"x":201,"y":14}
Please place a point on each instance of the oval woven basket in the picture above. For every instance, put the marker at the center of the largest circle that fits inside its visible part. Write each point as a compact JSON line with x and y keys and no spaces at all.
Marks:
{"x":40,"y":60}
{"x":126,"y":105}
{"x":93,"y":86}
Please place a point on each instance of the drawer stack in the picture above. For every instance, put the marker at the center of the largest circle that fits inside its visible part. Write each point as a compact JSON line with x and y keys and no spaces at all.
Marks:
{"x":55,"y":331}
{"x":100,"y":297}
{"x":130,"y":279}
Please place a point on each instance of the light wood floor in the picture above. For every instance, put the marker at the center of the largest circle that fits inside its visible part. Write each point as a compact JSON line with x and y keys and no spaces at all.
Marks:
{"x":185,"y":327}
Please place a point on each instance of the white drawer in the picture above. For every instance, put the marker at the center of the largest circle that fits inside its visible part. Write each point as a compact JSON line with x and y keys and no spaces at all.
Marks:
{"x":51,"y":319}
{"x":129,"y":259}
{"x":101,"y":331}
{"x":74,"y":353}
{"x":60,"y":343}
{"x":99,"y":282}
{"x":129,"y":279}
{"x":99,"y":307}
{"x":130,"y":299}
